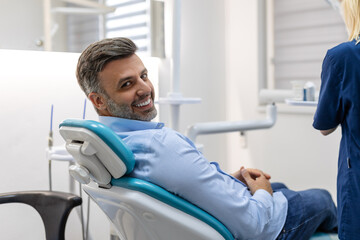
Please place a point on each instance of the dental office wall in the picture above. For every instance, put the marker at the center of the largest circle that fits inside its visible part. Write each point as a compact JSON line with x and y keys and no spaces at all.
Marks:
{"x":218,"y":63}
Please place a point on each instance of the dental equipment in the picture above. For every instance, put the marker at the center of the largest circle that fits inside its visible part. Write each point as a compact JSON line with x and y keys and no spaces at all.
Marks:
{"x":174,"y":98}
{"x":138,"y":209}
{"x":50,"y":144}
{"x":238,"y":126}
{"x":59,"y":153}
{"x":85,"y":230}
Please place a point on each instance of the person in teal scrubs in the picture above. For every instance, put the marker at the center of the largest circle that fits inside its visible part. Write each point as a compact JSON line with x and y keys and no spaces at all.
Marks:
{"x":339,"y":104}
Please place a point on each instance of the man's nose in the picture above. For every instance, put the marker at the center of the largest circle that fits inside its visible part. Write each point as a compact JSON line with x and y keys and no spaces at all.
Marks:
{"x":143,"y":87}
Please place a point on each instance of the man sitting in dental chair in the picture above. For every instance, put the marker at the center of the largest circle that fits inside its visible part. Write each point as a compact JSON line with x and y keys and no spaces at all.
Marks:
{"x":115,"y":80}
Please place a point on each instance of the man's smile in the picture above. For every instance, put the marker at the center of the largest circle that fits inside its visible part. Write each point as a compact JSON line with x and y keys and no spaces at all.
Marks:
{"x":145,"y":104}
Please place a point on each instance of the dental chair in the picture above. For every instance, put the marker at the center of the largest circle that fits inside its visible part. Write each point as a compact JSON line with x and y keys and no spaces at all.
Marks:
{"x":139,"y":210}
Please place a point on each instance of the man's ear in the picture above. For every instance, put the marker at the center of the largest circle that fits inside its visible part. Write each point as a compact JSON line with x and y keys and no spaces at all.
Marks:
{"x":98,"y":101}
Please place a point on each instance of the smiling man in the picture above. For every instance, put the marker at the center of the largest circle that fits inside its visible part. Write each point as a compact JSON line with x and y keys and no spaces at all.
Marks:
{"x":124,"y":89}
{"x":115,"y":80}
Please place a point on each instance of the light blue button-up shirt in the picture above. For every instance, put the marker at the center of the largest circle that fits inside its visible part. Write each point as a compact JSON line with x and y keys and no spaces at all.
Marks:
{"x":170,"y":160}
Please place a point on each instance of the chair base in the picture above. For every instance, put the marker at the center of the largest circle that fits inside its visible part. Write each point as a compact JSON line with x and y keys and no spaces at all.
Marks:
{"x":137,"y":216}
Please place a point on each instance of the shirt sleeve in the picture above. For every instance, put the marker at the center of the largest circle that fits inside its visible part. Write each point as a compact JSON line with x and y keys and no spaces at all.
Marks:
{"x":329,"y":112}
{"x":185,"y":172}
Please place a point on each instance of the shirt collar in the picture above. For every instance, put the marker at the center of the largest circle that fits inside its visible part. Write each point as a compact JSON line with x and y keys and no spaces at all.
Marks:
{"x":126,"y":125}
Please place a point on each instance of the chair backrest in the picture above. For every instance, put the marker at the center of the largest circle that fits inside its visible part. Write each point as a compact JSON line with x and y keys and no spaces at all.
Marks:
{"x":154,"y":212}
{"x":98,"y":151}
{"x":53,"y":207}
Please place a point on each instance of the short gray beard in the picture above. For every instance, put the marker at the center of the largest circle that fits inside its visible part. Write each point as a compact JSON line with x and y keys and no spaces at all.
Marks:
{"x":124,"y":111}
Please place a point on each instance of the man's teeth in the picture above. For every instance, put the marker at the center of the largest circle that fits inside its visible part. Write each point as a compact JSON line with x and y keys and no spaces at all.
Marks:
{"x":144,"y":103}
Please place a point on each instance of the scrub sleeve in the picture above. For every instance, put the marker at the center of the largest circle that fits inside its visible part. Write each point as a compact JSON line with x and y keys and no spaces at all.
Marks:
{"x":339,"y":103}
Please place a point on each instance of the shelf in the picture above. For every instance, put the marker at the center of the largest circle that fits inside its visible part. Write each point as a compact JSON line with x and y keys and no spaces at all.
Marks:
{"x":301,"y":103}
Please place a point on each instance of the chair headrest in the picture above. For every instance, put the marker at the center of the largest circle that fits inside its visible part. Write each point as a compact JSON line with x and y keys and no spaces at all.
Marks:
{"x":97,"y":148}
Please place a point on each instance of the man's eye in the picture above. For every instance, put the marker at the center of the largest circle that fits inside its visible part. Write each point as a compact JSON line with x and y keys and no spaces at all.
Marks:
{"x":126,"y":84}
{"x":144,"y":76}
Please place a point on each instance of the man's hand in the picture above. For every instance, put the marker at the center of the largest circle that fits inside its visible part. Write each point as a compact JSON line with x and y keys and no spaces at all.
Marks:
{"x":254,"y":173}
{"x":261,"y":182}
{"x":255,"y":179}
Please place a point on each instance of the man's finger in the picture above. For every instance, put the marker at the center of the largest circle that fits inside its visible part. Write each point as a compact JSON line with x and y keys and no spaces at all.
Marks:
{"x":255,"y":173}
{"x":267,"y":175}
{"x":246,"y":175}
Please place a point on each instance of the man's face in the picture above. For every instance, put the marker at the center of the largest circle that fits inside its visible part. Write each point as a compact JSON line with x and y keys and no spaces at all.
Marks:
{"x":129,"y":92}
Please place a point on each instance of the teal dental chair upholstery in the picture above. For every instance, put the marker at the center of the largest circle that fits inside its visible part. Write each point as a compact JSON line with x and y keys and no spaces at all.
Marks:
{"x":138,"y":209}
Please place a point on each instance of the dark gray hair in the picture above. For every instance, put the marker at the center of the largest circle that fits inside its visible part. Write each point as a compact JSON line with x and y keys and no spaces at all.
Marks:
{"x":94,"y":58}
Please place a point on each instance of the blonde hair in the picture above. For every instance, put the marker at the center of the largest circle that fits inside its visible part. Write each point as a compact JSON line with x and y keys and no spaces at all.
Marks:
{"x":352,"y":18}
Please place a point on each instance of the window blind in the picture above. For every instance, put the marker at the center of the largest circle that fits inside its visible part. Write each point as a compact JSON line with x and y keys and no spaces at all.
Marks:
{"x":303,"y":31}
{"x":134,"y":19}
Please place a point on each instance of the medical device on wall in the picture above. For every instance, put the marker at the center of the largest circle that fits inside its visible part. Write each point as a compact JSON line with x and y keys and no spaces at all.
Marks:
{"x":236,"y":126}
{"x":50,"y":145}
{"x":57,"y":153}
